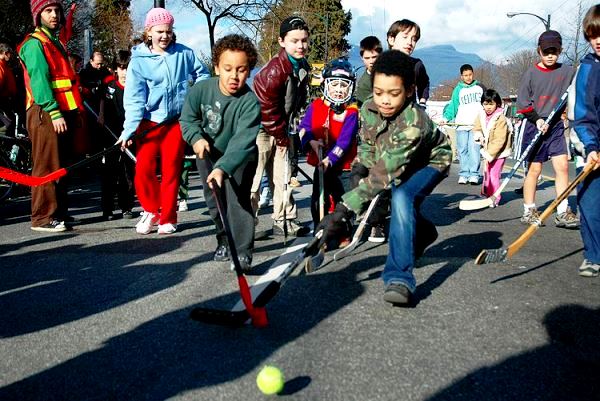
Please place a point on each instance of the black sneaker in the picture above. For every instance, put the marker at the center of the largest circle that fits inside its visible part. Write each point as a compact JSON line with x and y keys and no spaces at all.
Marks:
{"x":54,"y":226}
{"x":245,"y":264}
{"x":377,"y":234}
{"x":397,"y":294}
{"x":221,"y":253}
{"x":128,"y":214}
{"x":108,"y":216}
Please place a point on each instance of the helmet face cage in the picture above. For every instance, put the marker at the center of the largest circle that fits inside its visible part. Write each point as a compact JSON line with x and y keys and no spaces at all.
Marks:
{"x":338,"y":90}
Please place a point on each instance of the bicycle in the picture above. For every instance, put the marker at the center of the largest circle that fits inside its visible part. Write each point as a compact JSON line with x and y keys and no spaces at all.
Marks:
{"x":15,"y":154}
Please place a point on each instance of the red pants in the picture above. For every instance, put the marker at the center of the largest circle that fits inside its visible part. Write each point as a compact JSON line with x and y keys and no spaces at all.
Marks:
{"x":159,"y":196}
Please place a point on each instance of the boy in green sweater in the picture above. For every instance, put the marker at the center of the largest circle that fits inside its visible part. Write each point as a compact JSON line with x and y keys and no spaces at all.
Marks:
{"x":220,"y":119}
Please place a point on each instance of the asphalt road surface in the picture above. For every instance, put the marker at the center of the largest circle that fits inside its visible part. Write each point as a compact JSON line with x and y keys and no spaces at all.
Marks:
{"x":101,"y":313}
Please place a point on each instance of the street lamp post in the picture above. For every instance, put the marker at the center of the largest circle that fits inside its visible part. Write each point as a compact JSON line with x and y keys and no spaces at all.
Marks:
{"x":545,"y":21}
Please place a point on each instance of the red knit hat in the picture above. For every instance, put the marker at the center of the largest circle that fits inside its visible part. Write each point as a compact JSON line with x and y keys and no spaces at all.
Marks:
{"x":158,"y":16}
{"x":37,"y":6}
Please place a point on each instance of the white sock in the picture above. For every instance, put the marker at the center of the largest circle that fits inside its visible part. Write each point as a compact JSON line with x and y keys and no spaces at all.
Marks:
{"x":562,"y":206}
{"x":526,"y":207}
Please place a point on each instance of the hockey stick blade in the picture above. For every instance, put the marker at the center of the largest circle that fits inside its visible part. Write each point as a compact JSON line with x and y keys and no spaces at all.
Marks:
{"x":491,"y":256}
{"x":347,"y":250}
{"x":315,"y":263}
{"x":476,"y":204}
{"x":342,"y":253}
{"x":500,"y":255}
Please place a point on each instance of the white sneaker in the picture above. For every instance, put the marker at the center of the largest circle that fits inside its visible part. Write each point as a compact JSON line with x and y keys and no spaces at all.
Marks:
{"x":147,"y":223}
{"x":183,"y":206}
{"x":473,"y":180}
{"x":462,"y":180}
{"x":168,"y":228}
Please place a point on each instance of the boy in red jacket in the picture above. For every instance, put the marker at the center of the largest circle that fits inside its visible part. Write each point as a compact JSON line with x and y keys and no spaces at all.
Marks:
{"x":282,"y":88}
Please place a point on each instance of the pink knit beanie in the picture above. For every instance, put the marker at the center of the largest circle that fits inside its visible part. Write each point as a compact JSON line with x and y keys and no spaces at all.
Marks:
{"x":158,"y":16}
{"x":37,"y":6}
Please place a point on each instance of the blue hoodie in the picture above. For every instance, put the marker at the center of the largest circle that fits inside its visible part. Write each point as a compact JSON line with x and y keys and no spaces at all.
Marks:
{"x":587,"y":111}
{"x":157,"y":84}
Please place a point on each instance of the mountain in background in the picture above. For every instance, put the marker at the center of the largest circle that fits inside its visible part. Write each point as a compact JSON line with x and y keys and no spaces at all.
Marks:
{"x":442,"y":62}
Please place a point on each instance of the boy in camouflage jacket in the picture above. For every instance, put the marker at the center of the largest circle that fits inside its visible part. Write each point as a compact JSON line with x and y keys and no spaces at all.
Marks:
{"x":403,"y":150}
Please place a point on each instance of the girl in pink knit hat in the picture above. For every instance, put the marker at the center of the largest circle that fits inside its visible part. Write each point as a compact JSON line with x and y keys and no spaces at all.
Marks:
{"x":159,"y":75}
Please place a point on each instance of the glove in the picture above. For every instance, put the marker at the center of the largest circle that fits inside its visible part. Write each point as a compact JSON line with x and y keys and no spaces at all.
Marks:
{"x":336,"y":226}
{"x":358,"y":172}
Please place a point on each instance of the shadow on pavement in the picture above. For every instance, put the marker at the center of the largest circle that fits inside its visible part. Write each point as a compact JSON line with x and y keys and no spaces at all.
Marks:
{"x":47,"y":288}
{"x":566,"y":368}
{"x":172,"y":354}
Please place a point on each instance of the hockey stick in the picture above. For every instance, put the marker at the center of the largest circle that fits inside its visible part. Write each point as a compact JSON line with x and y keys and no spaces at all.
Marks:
{"x":265,"y":288}
{"x":314,"y":262}
{"x":33,"y":181}
{"x":286,"y":180}
{"x":475,"y":204}
{"x":310,"y":181}
{"x":342,"y":253}
{"x":500,"y":255}
{"x":258,"y":315}
{"x":91,"y":110}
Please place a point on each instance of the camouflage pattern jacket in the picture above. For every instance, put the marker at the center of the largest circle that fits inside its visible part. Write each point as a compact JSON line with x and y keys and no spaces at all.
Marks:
{"x":394,"y":149}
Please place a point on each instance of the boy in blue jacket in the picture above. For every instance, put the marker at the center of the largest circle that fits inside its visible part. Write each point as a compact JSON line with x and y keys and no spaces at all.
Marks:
{"x":587,"y":127}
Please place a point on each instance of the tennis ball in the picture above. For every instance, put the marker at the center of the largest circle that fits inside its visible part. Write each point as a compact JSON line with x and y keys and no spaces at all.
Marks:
{"x":270,"y":380}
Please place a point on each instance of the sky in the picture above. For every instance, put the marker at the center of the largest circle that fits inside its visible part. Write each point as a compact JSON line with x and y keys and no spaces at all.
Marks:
{"x":471,"y":26}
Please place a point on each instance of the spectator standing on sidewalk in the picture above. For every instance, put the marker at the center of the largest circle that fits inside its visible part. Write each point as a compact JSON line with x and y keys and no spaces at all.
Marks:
{"x":463,"y":109}
{"x":117,"y":168}
{"x":8,"y":89}
{"x":53,"y":105}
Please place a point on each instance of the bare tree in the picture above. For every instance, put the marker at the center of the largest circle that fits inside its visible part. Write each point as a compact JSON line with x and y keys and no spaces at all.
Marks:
{"x":512,"y":71}
{"x":575,"y":45}
{"x":246,"y":15}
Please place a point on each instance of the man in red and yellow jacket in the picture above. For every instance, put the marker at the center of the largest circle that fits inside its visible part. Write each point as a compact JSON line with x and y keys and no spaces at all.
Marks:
{"x":53,"y":104}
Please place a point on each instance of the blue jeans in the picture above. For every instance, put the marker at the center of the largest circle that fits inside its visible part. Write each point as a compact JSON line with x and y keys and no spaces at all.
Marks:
{"x":468,"y":153}
{"x":406,"y":204}
{"x":588,"y":199}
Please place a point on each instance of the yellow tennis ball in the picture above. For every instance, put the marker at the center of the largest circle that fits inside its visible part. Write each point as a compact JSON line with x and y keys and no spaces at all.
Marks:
{"x":270,"y":380}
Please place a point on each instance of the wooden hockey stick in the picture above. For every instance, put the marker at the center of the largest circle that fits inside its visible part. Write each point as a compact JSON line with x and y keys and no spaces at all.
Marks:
{"x":476,"y":204}
{"x":501,"y":255}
